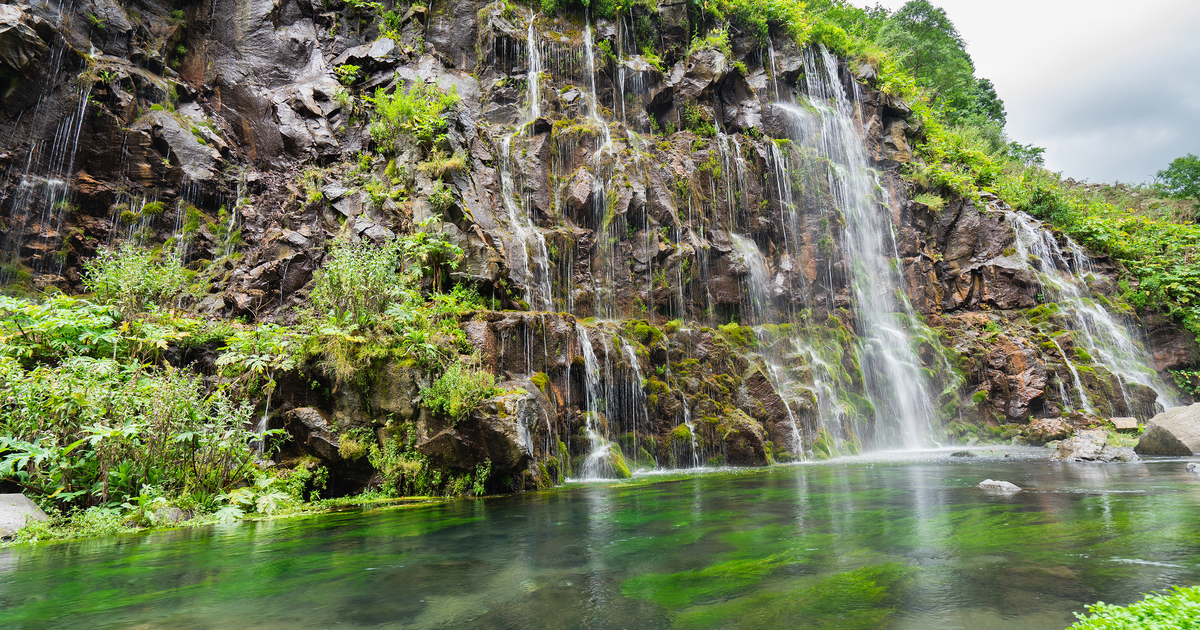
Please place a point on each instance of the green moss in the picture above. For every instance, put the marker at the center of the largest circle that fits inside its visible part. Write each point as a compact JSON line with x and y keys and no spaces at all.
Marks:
{"x":979,"y":397}
{"x":1082,"y":355}
{"x":739,"y":335}
{"x":541,"y":380}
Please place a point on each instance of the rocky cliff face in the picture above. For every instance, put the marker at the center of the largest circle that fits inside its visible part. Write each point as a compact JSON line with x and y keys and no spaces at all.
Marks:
{"x":702,"y":255}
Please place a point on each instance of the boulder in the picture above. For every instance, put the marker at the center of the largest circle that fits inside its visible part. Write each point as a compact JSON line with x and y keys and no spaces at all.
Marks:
{"x":999,"y":486}
{"x":745,"y":444}
{"x":312,"y":431}
{"x":1125,"y":424}
{"x":1092,"y":446}
{"x":1043,"y":430}
{"x":20,"y":45}
{"x":15,"y":511}
{"x":1175,"y":431}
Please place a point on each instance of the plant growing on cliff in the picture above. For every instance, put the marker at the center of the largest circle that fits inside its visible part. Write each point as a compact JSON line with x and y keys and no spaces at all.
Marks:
{"x":459,"y":391}
{"x":415,"y":109}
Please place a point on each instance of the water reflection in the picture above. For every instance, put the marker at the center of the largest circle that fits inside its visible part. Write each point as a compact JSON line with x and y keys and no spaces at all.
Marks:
{"x":863,"y":543}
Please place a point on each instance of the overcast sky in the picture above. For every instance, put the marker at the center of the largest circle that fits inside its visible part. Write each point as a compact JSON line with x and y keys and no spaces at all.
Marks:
{"x":1111,"y":89}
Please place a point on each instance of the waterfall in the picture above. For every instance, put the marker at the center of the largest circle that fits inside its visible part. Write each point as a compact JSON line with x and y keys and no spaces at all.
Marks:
{"x":1108,"y":341}
{"x":43,"y":197}
{"x":596,"y":465}
{"x":895,"y":387}
{"x":536,"y":268}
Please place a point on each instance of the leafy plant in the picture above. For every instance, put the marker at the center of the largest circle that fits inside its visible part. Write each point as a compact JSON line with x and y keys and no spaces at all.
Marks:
{"x":131,"y":278}
{"x":1178,"y":608}
{"x":459,"y":391}
{"x":415,"y":110}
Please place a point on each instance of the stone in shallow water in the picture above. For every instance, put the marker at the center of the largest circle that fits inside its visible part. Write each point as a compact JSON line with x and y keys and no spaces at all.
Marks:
{"x":1002,"y":486}
{"x":1092,"y":446}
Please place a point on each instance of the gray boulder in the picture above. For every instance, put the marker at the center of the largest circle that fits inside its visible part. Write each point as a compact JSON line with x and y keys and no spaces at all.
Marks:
{"x":15,"y":511}
{"x":1092,"y":446}
{"x":1175,"y":431}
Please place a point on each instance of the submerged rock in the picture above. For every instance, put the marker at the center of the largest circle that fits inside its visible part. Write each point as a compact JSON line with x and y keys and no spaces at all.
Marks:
{"x":15,"y":511}
{"x":1092,"y":446}
{"x":1000,"y":486}
{"x":1175,"y":431}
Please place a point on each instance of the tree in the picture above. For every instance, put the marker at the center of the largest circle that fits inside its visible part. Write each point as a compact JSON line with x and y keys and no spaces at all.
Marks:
{"x":1182,"y":178}
{"x":986,"y":103}
{"x":933,"y":51}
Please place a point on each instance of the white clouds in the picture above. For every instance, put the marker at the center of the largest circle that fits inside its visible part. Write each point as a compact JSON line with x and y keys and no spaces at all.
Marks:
{"x":1111,"y":89}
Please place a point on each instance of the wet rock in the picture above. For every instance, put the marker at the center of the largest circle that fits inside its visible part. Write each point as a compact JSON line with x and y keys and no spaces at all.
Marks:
{"x":966,"y":454}
{"x":1043,"y":430}
{"x":200,"y":162}
{"x":15,"y":511}
{"x":1175,"y":431}
{"x":312,"y":431}
{"x":999,"y":486}
{"x":1193,"y":467}
{"x":895,"y":141}
{"x":744,"y":440}
{"x":20,"y":45}
{"x":1173,"y":348}
{"x":1092,"y":446}
{"x":673,"y":22}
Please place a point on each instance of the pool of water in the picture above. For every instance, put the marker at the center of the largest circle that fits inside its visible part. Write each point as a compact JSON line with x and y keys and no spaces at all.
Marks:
{"x":885,"y":542}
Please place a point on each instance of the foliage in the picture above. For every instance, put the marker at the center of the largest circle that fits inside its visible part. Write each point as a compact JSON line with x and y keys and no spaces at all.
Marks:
{"x":347,"y":73}
{"x":130,"y":278}
{"x":91,"y":431}
{"x":358,"y":281}
{"x":1178,"y":608}
{"x":931,"y":49}
{"x":416,"y":109}
{"x":253,"y":356}
{"x":459,"y":391}
{"x":1182,"y":178}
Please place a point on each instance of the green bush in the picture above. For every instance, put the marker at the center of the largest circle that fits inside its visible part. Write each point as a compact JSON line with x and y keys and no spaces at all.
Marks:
{"x":459,"y":391}
{"x":1179,"y":608}
{"x":131,"y":278}
{"x":416,"y":110}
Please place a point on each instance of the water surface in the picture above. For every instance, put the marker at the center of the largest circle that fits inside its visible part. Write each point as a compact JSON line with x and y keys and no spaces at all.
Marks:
{"x":853,"y":544}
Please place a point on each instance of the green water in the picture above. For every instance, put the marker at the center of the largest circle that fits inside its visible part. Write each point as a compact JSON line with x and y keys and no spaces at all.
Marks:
{"x":882,"y":544}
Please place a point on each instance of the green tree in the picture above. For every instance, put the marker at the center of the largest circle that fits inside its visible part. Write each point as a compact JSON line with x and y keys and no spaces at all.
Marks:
{"x":930,"y":47}
{"x":1182,"y":178}
{"x":986,"y":103}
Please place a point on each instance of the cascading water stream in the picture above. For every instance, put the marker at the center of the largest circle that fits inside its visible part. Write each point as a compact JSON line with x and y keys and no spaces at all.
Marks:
{"x":595,"y":465}
{"x":895,"y":386}
{"x":1110,"y":342}
{"x":536,"y":268}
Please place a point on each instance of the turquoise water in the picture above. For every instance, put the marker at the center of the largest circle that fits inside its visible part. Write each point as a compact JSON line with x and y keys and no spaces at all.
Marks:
{"x":853,"y":544}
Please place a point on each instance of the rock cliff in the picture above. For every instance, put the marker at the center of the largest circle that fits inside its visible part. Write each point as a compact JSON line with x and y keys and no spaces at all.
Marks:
{"x":696,"y":254}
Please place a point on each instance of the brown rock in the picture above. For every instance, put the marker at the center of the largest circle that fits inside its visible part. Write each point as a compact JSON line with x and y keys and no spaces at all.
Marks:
{"x":1042,"y":430}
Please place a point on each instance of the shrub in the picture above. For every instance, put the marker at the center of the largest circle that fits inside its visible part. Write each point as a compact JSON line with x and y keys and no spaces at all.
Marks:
{"x":415,"y":110}
{"x":132,"y":278}
{"x":459,"y":391}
